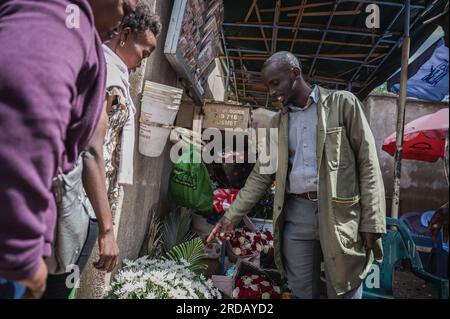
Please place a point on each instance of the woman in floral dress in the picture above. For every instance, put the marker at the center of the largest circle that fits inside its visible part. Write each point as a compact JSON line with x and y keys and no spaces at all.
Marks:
{"x":135,"y":42}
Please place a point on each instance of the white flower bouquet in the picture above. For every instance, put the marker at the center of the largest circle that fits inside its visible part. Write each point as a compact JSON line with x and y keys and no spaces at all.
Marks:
{"x":147,"y":278}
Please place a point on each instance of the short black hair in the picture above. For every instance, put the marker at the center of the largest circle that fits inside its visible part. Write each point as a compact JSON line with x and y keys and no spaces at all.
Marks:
{"x":142,"y":19}
{"x":285,"y":59}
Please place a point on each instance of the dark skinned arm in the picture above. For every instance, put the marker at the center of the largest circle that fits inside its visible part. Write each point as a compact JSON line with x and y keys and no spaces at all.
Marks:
{"x":94,"y":178}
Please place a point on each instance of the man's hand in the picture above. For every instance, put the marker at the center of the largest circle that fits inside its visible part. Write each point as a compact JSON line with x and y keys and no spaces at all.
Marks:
{"x":109,"y":252}
{"x":222,"y":230}
{"x":369,"y":239}
{"x":36,"y":285}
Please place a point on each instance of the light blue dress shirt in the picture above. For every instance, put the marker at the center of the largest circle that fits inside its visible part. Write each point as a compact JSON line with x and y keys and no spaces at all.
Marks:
{"x":302,"y":146}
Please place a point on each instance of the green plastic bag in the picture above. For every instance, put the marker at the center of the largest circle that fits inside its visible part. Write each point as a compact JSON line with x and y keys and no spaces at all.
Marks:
{"x":190,"y":185}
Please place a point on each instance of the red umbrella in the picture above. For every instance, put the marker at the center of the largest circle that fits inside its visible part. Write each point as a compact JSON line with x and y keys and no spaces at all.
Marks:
{"x":424,"y":138}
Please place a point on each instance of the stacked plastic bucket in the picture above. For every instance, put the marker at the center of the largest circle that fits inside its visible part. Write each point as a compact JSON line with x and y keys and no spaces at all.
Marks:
{"x":160,"y":105}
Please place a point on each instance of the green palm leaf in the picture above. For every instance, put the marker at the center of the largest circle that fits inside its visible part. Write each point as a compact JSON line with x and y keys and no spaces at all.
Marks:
{"x":192,"y":251}
{"x":176,"y":229}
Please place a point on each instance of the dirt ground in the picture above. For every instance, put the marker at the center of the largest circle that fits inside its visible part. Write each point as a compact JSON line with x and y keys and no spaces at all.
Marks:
{"x":408,"y":286}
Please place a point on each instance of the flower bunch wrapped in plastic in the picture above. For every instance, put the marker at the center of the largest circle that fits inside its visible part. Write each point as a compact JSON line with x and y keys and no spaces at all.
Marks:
{"x":160,"y":279}
{"x":255,"y":287}
{"x":245,"y":242}
{"x":223,"y":198}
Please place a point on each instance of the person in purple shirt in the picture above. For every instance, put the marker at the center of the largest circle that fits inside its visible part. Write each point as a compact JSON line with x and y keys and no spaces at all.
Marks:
{"x":52,"y":87}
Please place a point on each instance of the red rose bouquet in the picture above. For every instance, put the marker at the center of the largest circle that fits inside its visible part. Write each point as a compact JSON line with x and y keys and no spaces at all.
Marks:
{"x":245,"y":242}
{"x":251,"y":286}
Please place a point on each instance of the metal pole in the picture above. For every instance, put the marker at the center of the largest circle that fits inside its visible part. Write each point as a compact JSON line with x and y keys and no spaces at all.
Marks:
{"x":397,"y":44}
{"x":378,"y":43}
{"x":227,"y":82}
{"x":276,"y":17}
{"x":324,"y":34}
{"x":401,"y":108}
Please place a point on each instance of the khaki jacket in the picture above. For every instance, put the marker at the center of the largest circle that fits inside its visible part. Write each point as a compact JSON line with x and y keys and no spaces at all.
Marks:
{"x":350,"y":189}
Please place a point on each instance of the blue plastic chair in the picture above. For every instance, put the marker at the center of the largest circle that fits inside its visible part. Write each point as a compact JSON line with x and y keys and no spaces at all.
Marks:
{"x":418,"y":225}
{"x":399,"y":246}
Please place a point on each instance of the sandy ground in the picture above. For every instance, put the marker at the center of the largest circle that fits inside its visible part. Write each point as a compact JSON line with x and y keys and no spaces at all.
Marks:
{"x":408,"y":286}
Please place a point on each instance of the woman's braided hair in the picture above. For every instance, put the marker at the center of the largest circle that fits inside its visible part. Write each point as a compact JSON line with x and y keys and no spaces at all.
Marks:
{"x":142,"y":19}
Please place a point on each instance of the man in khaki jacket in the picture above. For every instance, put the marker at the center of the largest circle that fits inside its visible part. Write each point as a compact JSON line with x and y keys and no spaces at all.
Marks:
{"x":329,"y":200}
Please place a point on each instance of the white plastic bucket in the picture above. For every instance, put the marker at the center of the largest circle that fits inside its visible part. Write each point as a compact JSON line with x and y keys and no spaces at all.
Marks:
{"x":152,"y":140}
{"x":160,"y":104}
{"x":165,"y":98}
{"x":153,"y":86}
{"x":157,"y":112}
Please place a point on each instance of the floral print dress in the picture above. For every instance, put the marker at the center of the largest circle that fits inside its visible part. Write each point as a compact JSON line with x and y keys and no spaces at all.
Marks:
{"x":118,"y":114}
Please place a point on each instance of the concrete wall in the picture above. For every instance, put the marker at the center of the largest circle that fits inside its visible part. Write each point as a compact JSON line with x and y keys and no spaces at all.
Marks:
{"x":423,"y":185}
{"x":151,"y":175}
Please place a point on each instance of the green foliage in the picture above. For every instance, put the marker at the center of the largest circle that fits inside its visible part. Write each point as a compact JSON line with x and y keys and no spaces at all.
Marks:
{"x":176,"y":229}
{"x":192,"y":252}
{"x":152,"y":243}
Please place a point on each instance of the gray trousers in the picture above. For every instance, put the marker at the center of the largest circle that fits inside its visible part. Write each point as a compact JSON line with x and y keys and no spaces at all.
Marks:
{"x":303,"y":254}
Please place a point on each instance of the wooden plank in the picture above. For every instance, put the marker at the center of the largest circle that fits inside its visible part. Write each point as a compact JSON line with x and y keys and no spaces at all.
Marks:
{"x":299,"y":7}
{"x":235,"y":85}
{"x":355,"y":68}
{"x":319,"y":26}
{"x":351,"y":44}
{"x":264,"y":57}
{"x":298,"y":21}
{"x":276,"y":20}
{"x":242,"y":70}
{"x":327,"y":13}
{"x":250,"y":11}
{"x":258,"y":16}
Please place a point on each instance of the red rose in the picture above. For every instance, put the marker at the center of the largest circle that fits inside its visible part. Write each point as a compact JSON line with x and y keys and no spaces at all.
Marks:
{"x":246,"y":293}
{"x":264,"y":242}
{"x":257,"y":295}
{"x":274,"y":295}
{"x":258,"y":280}
{"x":237,"y":234}
{"x":235,"y":244}
{"x":246,"y":229}
{"x":266,"y":288}
{"x":239,"y":283}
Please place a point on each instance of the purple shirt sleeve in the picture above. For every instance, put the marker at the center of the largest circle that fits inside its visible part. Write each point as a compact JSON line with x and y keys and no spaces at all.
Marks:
{"x":40,"y":65}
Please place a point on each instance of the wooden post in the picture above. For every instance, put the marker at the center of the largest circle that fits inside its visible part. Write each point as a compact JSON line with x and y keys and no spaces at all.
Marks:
{"x":401,"y":108}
